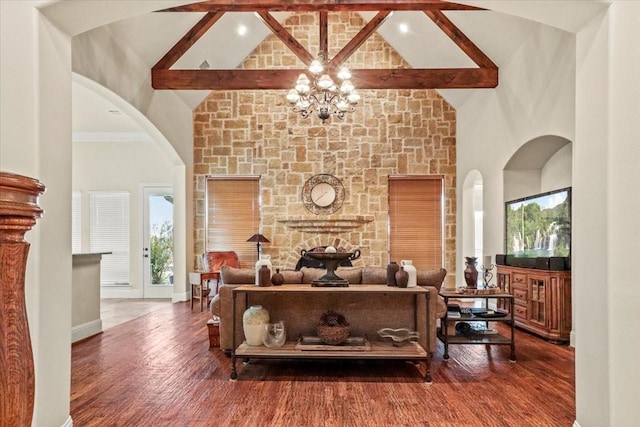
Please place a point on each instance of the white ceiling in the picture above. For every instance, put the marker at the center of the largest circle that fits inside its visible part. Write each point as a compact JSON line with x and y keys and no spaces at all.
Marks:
{"x":151,"y":35}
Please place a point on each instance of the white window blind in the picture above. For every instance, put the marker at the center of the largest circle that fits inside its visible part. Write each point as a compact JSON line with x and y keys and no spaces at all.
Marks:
{"x":109,"y":232}
{"x":76,"y":222}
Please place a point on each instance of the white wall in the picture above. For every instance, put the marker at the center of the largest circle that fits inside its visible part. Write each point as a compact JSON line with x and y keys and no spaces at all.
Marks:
{"x":120,"y":166}
{"x":557,"y":172}
{"x":35,"y":140}
{"x":532,"y":99}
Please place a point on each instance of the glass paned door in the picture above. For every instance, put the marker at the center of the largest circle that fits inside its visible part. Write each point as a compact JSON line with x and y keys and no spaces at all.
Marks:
{"x":158,"y":242}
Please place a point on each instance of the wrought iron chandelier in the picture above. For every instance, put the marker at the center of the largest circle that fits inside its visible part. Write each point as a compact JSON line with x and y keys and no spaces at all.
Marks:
{"x":320,"y":92}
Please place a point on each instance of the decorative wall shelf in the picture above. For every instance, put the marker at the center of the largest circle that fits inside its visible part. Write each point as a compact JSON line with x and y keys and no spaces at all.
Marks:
{"x":329,"y":225}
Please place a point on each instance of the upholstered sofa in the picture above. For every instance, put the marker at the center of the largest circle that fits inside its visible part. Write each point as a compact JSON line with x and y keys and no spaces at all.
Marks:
{"x":301,"y":308}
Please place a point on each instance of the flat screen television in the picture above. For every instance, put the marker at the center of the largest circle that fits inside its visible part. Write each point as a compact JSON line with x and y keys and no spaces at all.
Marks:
{"x":539,"y":225}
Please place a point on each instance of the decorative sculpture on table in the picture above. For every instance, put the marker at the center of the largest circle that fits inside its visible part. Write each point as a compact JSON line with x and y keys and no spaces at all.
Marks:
{"x":487,"y":275}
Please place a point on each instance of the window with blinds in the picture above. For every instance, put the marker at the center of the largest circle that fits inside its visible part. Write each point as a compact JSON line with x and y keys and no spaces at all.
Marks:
{"x":233,"y":215}
{"x":109,"y":232}
{"x":416,"y":220}
{"x":76,"y":222}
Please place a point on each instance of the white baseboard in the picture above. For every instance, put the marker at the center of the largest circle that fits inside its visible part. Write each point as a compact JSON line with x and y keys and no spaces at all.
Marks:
{"x":68,"y":422}
{"x":572,"y":339}
{"x":119,"y":292}
{"x":181,"y":297}
{"x":86,"y":330}
{"x":575,"y":424}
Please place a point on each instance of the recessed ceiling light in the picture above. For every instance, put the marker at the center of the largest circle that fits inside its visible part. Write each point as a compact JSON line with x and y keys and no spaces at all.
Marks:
{"x":404,"y":28}
{"x":242,"y":30}
{"x":114,"y":112}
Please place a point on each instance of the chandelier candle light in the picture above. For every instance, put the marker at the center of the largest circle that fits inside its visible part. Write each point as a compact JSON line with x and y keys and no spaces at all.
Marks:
{"x":321,"y":92}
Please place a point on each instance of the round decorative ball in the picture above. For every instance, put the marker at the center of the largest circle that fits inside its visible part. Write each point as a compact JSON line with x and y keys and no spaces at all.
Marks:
{"x":330,"y":250}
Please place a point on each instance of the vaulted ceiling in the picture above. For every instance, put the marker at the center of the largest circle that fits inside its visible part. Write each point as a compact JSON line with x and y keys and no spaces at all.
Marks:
{"x":483,"y":75}
{"x":465,"y":35}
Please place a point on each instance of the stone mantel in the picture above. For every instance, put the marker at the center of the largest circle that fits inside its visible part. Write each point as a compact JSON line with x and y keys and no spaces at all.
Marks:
{"x":326,"y":225}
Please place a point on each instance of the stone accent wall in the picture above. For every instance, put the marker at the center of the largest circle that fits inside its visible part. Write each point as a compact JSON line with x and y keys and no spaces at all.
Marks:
{"x":392,"y":132}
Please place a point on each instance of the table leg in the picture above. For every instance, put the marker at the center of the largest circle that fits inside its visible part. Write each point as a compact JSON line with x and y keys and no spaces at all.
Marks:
{"x":427,"y":375}
{"x":234,"y":372}
{"x":512,"y":357}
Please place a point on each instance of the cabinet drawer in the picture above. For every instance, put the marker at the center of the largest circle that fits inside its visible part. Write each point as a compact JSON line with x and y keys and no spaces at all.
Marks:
{"x":519,"y":278}
{"x":520,"y":294}
{"x":520,"y":311}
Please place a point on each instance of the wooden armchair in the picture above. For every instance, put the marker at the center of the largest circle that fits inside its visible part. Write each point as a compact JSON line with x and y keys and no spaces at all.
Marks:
{"x":211,"y":264}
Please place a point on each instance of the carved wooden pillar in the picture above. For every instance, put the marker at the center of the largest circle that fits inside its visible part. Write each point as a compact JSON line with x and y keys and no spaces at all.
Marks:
{"x":18,"y":213}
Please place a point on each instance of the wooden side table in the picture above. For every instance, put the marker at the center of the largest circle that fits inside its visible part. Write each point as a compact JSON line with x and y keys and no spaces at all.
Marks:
{"x":200,"y":289}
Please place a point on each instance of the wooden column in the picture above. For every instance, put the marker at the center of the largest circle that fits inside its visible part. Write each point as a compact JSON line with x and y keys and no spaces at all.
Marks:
{"x":18,"y":213}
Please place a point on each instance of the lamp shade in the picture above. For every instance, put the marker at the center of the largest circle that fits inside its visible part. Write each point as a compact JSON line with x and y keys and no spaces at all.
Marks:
{"x":258,"y":238}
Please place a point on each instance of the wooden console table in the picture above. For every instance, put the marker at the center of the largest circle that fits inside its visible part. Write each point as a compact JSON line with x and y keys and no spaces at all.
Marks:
{"x":363,"y":295}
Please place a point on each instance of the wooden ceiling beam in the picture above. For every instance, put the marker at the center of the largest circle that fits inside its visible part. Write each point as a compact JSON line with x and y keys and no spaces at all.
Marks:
{"x":460,"y":39}
{"x":316,"y":5}
{"x":286,"y":37}
{"x":188,"y":40}
{"x":360,"y":38}
{"x":404,"y":78}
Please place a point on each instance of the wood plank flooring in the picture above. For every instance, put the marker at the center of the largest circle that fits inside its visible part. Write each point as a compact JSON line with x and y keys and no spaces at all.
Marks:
{"x":158,"y":371}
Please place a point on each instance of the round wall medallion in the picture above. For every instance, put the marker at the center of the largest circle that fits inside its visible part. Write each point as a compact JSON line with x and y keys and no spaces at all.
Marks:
{"x":323,"y":194}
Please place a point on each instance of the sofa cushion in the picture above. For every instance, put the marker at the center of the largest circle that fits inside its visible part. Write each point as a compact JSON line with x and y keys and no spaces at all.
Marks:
{"x":352,"y":274}
{"x":309,"y":274}
{"x":374,"y":275}
{"x":237,"y":276}
{"x":431,"y":277}
{"x":291,"y":276}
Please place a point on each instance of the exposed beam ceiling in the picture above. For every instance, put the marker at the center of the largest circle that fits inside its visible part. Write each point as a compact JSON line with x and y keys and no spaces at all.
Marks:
{"x":484,"y":76}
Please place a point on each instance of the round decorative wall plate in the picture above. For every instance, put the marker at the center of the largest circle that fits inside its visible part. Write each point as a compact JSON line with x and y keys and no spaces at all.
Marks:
{"x":323,"y":194}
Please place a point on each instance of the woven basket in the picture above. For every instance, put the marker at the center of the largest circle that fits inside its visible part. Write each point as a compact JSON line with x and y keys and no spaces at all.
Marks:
{"x":333,"y":335}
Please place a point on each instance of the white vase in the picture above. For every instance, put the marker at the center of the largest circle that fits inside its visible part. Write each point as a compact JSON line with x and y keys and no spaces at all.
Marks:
{"x":264,"y":260}
{"x":413,"y":273}
{"x":253,"y":320}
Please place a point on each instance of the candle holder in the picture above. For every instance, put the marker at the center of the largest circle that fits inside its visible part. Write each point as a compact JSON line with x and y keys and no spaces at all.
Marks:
{"x":487,"y":275}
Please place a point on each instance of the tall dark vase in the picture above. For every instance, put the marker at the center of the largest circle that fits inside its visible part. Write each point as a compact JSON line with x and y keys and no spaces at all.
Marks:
{"x":392,"y":269}
{"x":471,"y":273}
{"x":264,"y":278}
{"x":402,"y":278}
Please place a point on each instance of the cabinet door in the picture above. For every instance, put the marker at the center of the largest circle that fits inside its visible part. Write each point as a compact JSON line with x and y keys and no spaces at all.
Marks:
{"x":504,"y":283}
{"x":537,"y":307}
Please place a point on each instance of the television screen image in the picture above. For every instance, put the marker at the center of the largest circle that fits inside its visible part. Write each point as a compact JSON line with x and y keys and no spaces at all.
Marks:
{"x":539,"y":225}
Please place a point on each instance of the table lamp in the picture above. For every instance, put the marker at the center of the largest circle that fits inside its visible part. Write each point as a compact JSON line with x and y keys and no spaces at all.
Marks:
{"x":259,"y":239}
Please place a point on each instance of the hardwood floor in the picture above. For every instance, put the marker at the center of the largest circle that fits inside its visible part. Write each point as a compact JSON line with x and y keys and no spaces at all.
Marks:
{"x":157,"y":370}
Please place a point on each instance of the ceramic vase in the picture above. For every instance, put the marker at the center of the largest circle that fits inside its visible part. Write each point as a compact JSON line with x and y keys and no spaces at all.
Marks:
{"x":411,"y":270}
{"x":253,"y":320}
{"x":277,"y":279}
{"x":402,"y":278}
{"x":392,"y":269}
{"x":264,"y":276}
{"x":264,"y":260}
{"x":471,"y":273}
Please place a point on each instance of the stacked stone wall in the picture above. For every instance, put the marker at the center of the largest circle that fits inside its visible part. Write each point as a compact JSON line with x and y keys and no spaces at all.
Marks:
{"x":391,"y":132}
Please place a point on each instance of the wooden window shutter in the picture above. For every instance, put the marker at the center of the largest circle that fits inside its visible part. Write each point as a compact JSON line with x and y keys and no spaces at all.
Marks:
{"x":416,"y":220}
{"x":233,"y":215}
